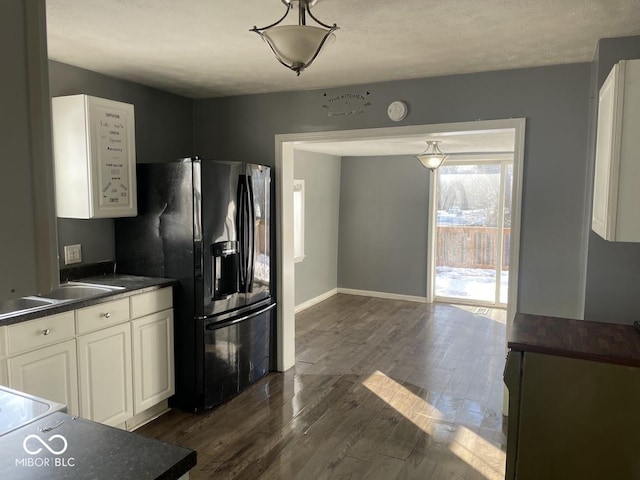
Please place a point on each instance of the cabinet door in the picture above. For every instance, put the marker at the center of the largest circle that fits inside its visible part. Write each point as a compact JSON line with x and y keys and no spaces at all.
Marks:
{"x":104,"y":369}
{"x":4,"y":377}
{"x":607,"y":167}
{"x":48,"y":372}
{"x":153,"y":372}
{"x":94,"y":151}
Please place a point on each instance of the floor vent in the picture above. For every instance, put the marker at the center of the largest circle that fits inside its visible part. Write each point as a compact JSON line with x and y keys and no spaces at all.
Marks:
{"x":482,"y":311}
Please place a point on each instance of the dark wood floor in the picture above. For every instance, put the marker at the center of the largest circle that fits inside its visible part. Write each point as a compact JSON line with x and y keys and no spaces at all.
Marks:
{"x":382,"y":389}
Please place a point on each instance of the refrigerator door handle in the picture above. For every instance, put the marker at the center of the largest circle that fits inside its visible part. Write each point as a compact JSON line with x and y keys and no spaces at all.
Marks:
{"x":243,"y":234}
{"x":241,"y":231}
{"x":216,"y":326}
{"x":251,"y":221}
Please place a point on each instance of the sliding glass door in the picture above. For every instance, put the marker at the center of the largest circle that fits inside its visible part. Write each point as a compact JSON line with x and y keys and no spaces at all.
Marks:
{"x":473,"y":221}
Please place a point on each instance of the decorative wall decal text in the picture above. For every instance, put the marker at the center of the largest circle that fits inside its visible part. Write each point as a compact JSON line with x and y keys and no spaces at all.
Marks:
{"x":346,"y":104}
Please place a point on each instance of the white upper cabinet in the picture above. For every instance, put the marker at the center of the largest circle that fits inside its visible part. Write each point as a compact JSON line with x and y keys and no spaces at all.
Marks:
{"x":95,"y":161}
{"x":616,"y":189}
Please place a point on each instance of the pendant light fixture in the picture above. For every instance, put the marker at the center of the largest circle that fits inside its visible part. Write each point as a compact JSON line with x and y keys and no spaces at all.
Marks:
{"x":432,"y":157}
{"x":297,"y":46}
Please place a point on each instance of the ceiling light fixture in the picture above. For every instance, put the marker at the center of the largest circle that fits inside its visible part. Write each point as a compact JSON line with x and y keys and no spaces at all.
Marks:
{"x":432,"y":157}
{"x":297,"y":46}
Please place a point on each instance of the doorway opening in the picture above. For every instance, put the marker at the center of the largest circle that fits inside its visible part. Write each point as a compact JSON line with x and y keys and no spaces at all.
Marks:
{"x":473,"y":231}
{"x":285,"y":145}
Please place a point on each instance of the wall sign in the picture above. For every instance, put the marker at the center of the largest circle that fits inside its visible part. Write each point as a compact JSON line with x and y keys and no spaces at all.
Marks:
{"x":346,"y":104}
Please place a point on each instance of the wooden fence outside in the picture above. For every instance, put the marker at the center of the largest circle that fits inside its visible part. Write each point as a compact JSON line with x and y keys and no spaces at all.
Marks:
{"x":463,"y":246}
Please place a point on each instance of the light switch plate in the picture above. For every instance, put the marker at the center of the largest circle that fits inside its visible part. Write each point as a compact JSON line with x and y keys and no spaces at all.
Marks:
{"x":72,"y":254}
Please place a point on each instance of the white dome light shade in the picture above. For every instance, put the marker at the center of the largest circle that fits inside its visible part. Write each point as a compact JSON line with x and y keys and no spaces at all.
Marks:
{"x":432,"y":157}
{"x":297,"y":45}
{"x":431,"y":161}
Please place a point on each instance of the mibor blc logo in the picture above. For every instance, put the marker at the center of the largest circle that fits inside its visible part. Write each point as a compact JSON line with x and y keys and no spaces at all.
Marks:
{"x":55,"y":445}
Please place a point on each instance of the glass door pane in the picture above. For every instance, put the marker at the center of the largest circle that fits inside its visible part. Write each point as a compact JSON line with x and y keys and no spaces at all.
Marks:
{"x":467,"y":226}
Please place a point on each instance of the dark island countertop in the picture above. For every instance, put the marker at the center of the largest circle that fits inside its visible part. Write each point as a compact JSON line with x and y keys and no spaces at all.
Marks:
{"x":132,"y":284}
{"x":93,"y":452}
{"x":582,"y":339}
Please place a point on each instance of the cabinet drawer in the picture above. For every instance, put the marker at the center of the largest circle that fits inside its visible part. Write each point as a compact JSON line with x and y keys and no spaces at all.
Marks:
{"x":151,"y":302}
{"x":102,"y":315}
{"x":37,"y":333}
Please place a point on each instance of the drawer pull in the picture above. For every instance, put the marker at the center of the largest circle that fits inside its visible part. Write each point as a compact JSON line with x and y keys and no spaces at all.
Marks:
{"x":46,"y":331}
{"x":106,"y":315}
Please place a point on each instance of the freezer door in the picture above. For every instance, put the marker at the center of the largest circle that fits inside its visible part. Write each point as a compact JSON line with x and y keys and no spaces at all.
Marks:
{"x":237,"y":353}
{"x":219,"y":233}
{"x":257,"y":284}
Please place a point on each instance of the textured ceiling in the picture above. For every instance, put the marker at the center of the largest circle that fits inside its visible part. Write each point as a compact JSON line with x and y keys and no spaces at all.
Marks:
{"x":203,"y":48}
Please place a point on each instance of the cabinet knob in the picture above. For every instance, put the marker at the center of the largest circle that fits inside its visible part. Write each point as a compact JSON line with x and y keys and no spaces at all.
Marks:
{"x":106,"y":315}
{"x":46,"y":331}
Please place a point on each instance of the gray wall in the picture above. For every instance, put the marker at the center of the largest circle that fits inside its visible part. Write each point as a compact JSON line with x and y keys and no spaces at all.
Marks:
{"x":164,"y":131}
{"x":318,"y":272}
{"x":383,"y":225}
{"x":26,"y":181}
{"x":613,"y":268}
{"x":554,"y":101}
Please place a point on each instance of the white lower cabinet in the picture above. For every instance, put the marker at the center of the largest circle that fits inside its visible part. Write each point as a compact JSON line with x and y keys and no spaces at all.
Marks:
{"x":104,"y":369}
{"x":95,"y":360}
{"x":153,"y":373}
{"x":48,"y":372}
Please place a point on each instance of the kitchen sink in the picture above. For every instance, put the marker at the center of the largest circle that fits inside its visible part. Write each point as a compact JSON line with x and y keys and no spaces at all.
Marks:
{"x":66,"y":292}
{"x":22,"y":305}
{"x":78,"y":291}
{"x":18,"y":409}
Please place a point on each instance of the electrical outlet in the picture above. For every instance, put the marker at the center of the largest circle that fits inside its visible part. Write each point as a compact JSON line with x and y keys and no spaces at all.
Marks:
{"x":72,"y":254}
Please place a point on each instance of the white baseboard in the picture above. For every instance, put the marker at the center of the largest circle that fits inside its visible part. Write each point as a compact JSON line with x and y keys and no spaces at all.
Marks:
{"x":389,"y":296}
{"x":316,"y":300}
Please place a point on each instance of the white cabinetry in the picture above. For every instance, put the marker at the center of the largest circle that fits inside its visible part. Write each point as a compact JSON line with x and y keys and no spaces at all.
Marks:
{"x":96,"y":360}
{"x":94,"y":153}
{"x":616,"y":196}
{"x":153,"y":371}
{"x":104,"y":369}
{"x":42,"y":359}
{"x":113,"y":388}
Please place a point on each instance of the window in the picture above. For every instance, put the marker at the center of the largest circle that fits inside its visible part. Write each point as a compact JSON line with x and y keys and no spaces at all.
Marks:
{"x":298,"y":220}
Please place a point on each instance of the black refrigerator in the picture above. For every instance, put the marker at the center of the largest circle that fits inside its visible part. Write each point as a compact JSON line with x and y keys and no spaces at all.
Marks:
{"x":206,"y":224}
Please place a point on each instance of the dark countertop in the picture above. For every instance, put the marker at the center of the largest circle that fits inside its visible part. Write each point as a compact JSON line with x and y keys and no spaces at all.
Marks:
{"x":94,"y":451}
{"x":132,"y":284}
{"x":602,"y":342}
